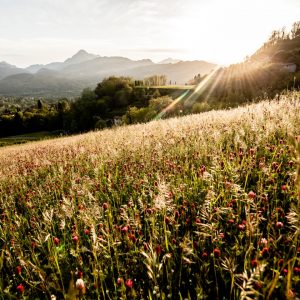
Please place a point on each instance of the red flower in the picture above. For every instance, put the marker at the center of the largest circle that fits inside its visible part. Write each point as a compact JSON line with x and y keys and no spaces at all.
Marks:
{"x":217,"y":252}
{"x":265,"y":252}
{"x":20,"y":288}
{"x":204,"y":255}
{"x":124,"y":229}
{"x":284,"y":187}
{"x":251,"y":195}
{"x":87,"y":231}
{"x":18,"y":270}
{"x":119,"y":281}
{"x":254,"y":263}
{"x":279,"y":225}
{"x":167,"y":220}
{"x":297,"y":270}
{"x":241,"y":227}
{"x":158,"y":249}
{"x":129,"y":283}
{"x":258,"y":285}
{"x":105,"y":206}
{"x":75,"y":238}
{"x":56,"y":241}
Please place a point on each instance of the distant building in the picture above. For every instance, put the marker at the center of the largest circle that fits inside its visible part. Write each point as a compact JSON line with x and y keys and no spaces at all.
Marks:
{"x":289,"y":67}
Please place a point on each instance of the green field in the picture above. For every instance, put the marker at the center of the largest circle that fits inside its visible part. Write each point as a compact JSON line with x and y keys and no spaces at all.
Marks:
{"x":204,"y":206}
{"x":25,"y":138}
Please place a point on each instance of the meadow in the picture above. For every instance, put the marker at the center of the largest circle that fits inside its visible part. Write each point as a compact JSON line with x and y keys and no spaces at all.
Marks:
{"x":204,"y":206}
{"x":25,"y":138}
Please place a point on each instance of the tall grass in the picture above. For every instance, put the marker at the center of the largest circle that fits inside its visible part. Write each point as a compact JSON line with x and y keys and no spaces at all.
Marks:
{"x":200,"y":207}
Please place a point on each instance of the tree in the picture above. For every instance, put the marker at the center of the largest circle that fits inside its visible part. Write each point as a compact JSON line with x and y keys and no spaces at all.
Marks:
{"x":295,"y":31}
{"x":40,"y":104}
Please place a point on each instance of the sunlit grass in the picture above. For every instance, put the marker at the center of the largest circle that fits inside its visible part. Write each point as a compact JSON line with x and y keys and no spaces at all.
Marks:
{"x":199,"y":207}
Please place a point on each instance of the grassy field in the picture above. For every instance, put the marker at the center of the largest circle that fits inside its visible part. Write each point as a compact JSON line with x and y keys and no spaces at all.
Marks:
{"x":200,"y":207}
{"x":24,"y":138}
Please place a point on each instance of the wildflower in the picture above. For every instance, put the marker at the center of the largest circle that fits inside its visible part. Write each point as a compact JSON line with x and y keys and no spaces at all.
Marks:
{"x":56,"y":241}
{"x":79,"y":284}
{"x":86,"y":231}
{"x":279,"y":225}
{"x":251,"y":151}
{"x":241,"y":227}
{"x":158,"y":249}
{"x":167,"y":220}
{"x":21,"y":288}
{"x":129,"y":283}
{"x":119,"y":281}
{"x":258,"y":285}
{"x":297,"y":270}
{"x":251,"y":195}
{"x":202,"y":169}
{"x":254,"y":263}
{"x":18,"y":270}
{"x":284,"y":187}
{"x":132,"y":237}
{"x":285,"y":271}
{"x":217,"y":252}
{"x":75,"y":238}
{"x":265,"y":252}
{"x":264,"y":241}
{"x":290,"y":294}
{"x":124,"y":229}
{"x":204,"y":255}
{"x":105,"y":206}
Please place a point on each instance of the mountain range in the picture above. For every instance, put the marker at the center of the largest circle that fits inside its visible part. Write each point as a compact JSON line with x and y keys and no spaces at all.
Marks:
{"x":84,"y":69}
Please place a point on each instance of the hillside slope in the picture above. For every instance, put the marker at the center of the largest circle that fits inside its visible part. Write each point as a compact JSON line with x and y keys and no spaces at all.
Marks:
{"x":187,"y":207}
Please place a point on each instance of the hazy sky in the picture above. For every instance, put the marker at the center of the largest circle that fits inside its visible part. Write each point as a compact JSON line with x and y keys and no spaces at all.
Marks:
{"x":222,"y":31}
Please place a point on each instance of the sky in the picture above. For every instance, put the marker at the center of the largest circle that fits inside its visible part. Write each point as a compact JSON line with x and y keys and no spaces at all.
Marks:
{"x":219,"y":31}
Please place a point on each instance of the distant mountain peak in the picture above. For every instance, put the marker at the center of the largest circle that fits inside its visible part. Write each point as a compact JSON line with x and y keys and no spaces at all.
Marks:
{"x":79,"y":57}
{"x":81,"y":51}
{"x":169,"y":60}
{"x":6,"y":65}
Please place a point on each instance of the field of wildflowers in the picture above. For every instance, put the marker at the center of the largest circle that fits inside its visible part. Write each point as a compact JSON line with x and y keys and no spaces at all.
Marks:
{"x":199,"y":207}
